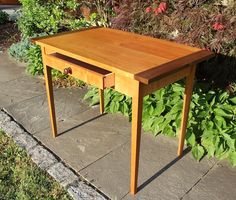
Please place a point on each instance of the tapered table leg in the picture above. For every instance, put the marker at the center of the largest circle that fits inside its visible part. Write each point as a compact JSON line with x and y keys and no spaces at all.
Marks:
{"x":137,"y":107}
{"x":187,"y":100}
{"x":49,"y":88}
{"x":101,"y":95}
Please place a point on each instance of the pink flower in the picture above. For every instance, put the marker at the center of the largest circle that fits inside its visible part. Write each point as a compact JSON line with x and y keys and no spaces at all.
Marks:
{"x":163,"y":6}
{"x":148,"y":9}
{"x":218,"y":26}
{"x":157,"y":11}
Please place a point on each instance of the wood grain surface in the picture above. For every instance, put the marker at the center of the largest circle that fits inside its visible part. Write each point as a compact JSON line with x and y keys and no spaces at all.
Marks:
{"x":139,"y":57}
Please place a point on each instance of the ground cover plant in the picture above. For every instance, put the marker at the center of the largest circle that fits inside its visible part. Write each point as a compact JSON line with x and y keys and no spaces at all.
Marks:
{"x":20,"y":178}
{"x":209,"y":25}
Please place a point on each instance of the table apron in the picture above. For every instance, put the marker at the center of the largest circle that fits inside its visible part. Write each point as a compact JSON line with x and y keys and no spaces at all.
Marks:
{"x":165,"y":80}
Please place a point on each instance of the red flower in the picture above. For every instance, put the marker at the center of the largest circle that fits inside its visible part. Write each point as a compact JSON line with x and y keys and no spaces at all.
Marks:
{"x":148,"y":9}
{"x":218,"y":26}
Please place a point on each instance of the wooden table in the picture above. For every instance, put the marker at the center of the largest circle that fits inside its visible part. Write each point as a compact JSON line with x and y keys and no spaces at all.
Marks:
{"x":132,"y":64}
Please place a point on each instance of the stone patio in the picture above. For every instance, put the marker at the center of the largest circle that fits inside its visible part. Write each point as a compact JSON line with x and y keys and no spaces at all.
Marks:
{"x":97,"y":147}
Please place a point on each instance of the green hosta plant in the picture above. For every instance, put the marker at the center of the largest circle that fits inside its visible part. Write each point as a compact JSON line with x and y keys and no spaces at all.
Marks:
{"x":212,"y":118}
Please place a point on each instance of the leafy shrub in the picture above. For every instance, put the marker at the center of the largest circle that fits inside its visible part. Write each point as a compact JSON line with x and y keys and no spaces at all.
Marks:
{"x":39,"y":16}
{"x":211,"y":124}
{"x":35,"y":65}
{"x":20,"y":50}
{"x":3,"y":17}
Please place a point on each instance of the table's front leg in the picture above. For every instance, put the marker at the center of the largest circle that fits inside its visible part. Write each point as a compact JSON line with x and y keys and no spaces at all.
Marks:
{"x":187,"y":100}
{"x":49,"y":89}
{"x":137,"y":107}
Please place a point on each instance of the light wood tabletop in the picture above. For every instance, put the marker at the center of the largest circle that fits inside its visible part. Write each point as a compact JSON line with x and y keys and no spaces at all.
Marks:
{"x":132,"y":55}
{"x":132,"y":64}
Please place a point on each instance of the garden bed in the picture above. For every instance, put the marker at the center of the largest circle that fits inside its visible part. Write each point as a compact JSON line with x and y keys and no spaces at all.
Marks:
{"x":20,"y":178}
{"x":9,"y":34}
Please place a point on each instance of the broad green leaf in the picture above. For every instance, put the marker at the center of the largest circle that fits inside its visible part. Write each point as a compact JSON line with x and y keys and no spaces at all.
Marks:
{"x":223,"y":96}
{"x":210,"y":151}
{"x":233,"y":100}
{"x":220,"y":121}
{"x":94,"y":101}
{"x":114,"y":107}
{"x":232,"y":158}
{"x":190,"y":137}
{"x":168,"y":131}
{"x":159,"y":93}
{"x":230,"y":141}
{"x":198,"y":152}
{"x":177,"y":87}
{"x":226,"y":107}
{"x":151,"y":110}
{"x":202,"y":114}
{"x":160,"y":107}
{"x":221,"y":112}
{"x":220,"y":149}
{"x":147,"y":124}
{"x":213,"y":101}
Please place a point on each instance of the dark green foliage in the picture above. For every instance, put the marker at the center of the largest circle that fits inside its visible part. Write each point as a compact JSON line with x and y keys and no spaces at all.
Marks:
{"x":212,"y":118}
{"x":20,"y":178}
{"x":3,"y":17}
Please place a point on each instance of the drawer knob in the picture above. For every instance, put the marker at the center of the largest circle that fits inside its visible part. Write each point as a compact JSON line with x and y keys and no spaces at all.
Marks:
{"x":67,"y":70}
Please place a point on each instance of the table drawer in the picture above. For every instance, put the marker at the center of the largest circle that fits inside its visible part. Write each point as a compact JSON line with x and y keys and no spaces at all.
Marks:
{"x":88,"y":73}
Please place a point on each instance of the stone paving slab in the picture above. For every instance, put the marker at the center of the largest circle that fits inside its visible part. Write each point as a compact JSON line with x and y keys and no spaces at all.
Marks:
{"x":9,"y":70}
{"x":162,"y":175}
{"x":27,"y":88}
{"x":83,"y":139}
{"x":218,"y":184}
{"x":33,"y":113}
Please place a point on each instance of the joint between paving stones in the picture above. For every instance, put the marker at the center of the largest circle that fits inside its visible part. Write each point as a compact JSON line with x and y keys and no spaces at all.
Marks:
{"x":76,"y":186}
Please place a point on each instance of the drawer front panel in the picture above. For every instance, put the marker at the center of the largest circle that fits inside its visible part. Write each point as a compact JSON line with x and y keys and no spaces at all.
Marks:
{"x":87,"y":73}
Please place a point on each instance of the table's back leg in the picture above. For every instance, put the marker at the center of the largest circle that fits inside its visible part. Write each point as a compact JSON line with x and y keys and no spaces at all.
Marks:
{"x":49,"y":89}
{"x":101,"y":95}
{"x":187,"y":100}
{"x":137,"y":107}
